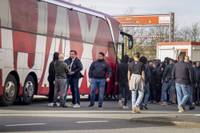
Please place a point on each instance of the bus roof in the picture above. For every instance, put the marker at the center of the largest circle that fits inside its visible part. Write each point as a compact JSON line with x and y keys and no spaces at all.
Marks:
{"x":78,"y":8}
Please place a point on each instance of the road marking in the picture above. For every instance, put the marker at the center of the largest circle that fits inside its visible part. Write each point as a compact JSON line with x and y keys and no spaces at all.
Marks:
{"x":196,"y":114}
{"x":26,"y":124}
{"x":83,"y":122}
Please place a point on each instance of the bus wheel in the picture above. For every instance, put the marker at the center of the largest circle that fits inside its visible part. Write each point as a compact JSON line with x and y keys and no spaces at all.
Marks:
{"x":10,"y":91}
{"x":28,"y":90}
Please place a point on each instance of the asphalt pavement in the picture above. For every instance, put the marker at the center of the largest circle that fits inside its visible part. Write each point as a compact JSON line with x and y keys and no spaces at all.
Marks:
{"x":38,"y":118}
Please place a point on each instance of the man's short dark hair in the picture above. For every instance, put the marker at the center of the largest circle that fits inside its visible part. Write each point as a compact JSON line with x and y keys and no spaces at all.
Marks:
{"x":144,"y":60}
{"x":101,"y":53}
{"x":181,"y":56}
{"x":137,"y":54}
{"x":73,"y":51}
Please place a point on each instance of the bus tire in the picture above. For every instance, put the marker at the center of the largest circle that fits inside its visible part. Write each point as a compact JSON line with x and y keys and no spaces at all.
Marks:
{"x":10,"y":91}
{"x":28,"y":90}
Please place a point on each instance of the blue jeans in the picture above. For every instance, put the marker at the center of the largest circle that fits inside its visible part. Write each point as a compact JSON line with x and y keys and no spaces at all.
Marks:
{"x":166,"y":88}
{"x":73,"y":82}
{"x":137,"y":97}
{"x":100,"y":84}
{"x":183,"y":94}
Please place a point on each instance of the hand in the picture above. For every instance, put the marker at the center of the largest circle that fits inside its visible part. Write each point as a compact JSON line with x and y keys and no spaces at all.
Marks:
{"x":116,"y":83}
{"x":71,"y":73}
{"x":90,"y":80}
{"x":107,"y":79}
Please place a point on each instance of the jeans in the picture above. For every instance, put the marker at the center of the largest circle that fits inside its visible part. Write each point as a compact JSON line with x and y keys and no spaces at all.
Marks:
{"x":137,"y":97}
{"x":60,"y":90}
{"x":136,"y":85}
{"x":100,"y":84}
{"x":74,"y":86}
{"x":183,"y":94}
{"x":166,"y":87}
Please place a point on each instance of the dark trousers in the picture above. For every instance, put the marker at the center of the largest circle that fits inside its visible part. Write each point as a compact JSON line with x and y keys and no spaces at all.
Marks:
{"x":198,"y":93}
{"x":73,"y":83}
{"x":123,"y":92}
{"x":156,"y":92}
{"x":51,"y":91}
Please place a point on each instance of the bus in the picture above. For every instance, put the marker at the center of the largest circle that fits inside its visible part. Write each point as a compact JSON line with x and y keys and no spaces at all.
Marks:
{"x":32,"y":30}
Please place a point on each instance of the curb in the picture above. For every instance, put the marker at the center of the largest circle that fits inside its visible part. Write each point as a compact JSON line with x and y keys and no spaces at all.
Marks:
{"x":167,"y":121}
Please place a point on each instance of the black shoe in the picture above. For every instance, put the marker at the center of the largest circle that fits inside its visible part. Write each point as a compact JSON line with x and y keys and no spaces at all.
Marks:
{"x":100,"y":106}
{"x":142,"y":107}
{"x":145,"y":107}
{"x":91,"y":105}
{"x":191,"y":107}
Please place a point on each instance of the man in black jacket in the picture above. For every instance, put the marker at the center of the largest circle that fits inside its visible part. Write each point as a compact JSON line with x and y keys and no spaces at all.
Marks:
{"x":99,"y":73}
{"x":122,"y":76}
{"x":51,"y":78}
{"x":192,"y":83}
{"x":182,"y":75}
{"x":197,"y":82}
{"x":166,"y":81}
{"x":75,"y":67}
{"x":147,"y":73}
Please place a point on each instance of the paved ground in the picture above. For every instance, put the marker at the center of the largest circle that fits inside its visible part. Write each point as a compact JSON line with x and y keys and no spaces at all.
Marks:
{"x":40,"y":118}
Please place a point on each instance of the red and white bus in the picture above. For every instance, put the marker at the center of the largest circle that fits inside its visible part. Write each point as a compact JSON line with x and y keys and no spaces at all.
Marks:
{"x":32,"y":30}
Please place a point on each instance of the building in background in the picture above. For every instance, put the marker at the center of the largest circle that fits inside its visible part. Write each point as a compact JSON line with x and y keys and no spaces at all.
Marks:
{"x":173,"y":49}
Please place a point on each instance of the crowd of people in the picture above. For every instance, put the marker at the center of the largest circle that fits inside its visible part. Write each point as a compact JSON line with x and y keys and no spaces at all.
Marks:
{"x":168,"y":82}
{"x":64,"y":74}
{"x":144,"y":81}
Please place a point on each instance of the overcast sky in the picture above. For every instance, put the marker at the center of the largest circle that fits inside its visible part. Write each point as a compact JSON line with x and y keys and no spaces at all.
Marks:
{"x":187,"y":11}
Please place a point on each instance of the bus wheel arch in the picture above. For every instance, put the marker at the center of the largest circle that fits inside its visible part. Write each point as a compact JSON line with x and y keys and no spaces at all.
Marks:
{"x":11,"y":89}
{"x":29,"y":88}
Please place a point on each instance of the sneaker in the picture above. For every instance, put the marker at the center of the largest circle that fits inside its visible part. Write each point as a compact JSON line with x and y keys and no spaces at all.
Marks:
{"x":154,"y":102}
{"x":70,"y":105}
{"x":145,"y":107}
{"x":50,"y":104}
{"x":120,"y":103}
{"x":57,"y":104}
{"x":134,"y":110}
{"x":181,"y":109}
{"x":138,"y":110}
{"x":65,"y":105}
{"x":76,"y":106}
{"x":125,"y":107}
{"x":91,"y":105}
{"x":100,"y":107}
{"x":163,"y":104}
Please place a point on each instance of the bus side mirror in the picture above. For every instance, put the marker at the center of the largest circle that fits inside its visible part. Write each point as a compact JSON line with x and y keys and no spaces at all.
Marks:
{"x":130,"y":42}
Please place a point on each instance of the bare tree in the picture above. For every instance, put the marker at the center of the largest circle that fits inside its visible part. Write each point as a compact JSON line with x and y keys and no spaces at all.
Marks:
{"x":195,"y":32}
{"x":187,"y":33}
